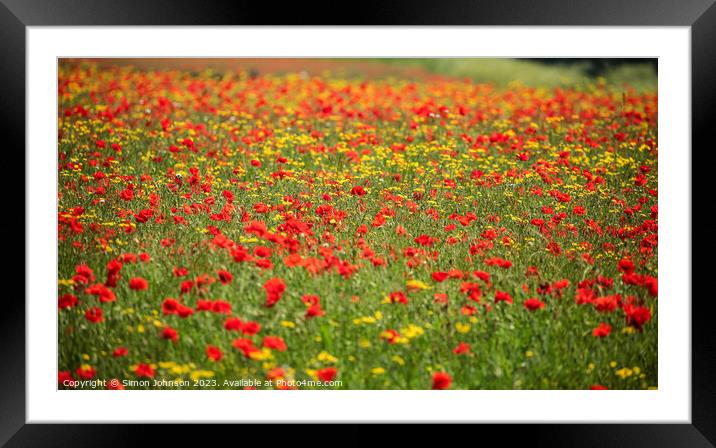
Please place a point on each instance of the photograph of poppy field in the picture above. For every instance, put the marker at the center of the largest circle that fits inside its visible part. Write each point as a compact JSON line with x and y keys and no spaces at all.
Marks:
{"x":357,"y":224}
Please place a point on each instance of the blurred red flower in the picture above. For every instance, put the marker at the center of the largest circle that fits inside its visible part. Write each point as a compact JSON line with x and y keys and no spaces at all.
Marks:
{"x":67,"y":301}
{"x":274,"y":287}
{"x":170,"y":334}
{"x":214,"y":353}
{"x":440,"y":276}
{"x":501,"y":296}
{"x":138,"y":284}
{"x":441,"y":381}
{"x":144,"y":370}
{"x":274,"y":343}
{"x":327,"y":374}
{"x":602,"y":330}
{"x":533,"y":304}
{"x":225,"y":277}
{"x":94,"y":315}
{"x":86,"y":372}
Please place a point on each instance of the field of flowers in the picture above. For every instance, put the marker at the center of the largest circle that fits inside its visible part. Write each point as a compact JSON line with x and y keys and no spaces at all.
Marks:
{"x":353,"y":233}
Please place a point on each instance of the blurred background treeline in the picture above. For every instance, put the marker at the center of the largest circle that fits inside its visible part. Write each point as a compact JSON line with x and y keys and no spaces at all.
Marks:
{"x":639,"y":74}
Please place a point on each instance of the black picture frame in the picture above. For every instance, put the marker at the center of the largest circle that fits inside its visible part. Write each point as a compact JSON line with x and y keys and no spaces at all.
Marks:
{"x":699,"y":15}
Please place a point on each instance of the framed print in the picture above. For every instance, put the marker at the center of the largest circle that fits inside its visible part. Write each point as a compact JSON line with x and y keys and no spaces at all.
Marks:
{"x":385,"y":221}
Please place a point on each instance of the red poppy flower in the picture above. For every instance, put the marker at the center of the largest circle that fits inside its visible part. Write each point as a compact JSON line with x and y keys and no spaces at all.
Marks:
{"x":144,"y":215}
{"x":220,"y":307}
{"x":533,"y":304}
{"x":275,"y":373}
{"x":144,"y":370}
{"x":120,"y":351}
{"x":103,"y":292}
{"x":441,"y":381}
{"x":233,"y":324}
{"x":559,"y":285}
{"x":274,"y":287}
{"x":127,"y":194}
{"x":214,"y":353}
{"x":425,"y":240}
{"x":94,"y":315}
{"x":327,"y":374}
{"x":86,"y":372}
{"x":186,"y":286}
{"x":274,"y":343}
{"x":67,"y":301}
{"x":85,"y":272}
{"x":626,"y":266}
{"x":113,"y":273}
{"x":482,"y":275}
{"x":64,"y":376}
{"x":314,"y":311}
{"x":245,"y":345}
{"x":138,"y":284}
{"x":499,"y":262}
{"x":637,"y":316}
{"x":652,"y":285}
{"x":501,"y":296}
{"x":462,"y":348}
{"x":468,"y":310}
{"x":398,"y":296}
{"x":607,"y":304}
{"x":170,"y":306}
{"x":225,"y":277}
{"x":440,"y":276}
{"x":602,"y":331}
{"x":390,"y":336}
{"x":184,"y":311}
{"x":264,"y":263}
{"x":250,"y":328}
{"x":293,"y":260}
{"x":262,"y":252}
{"x":170,"y":334}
